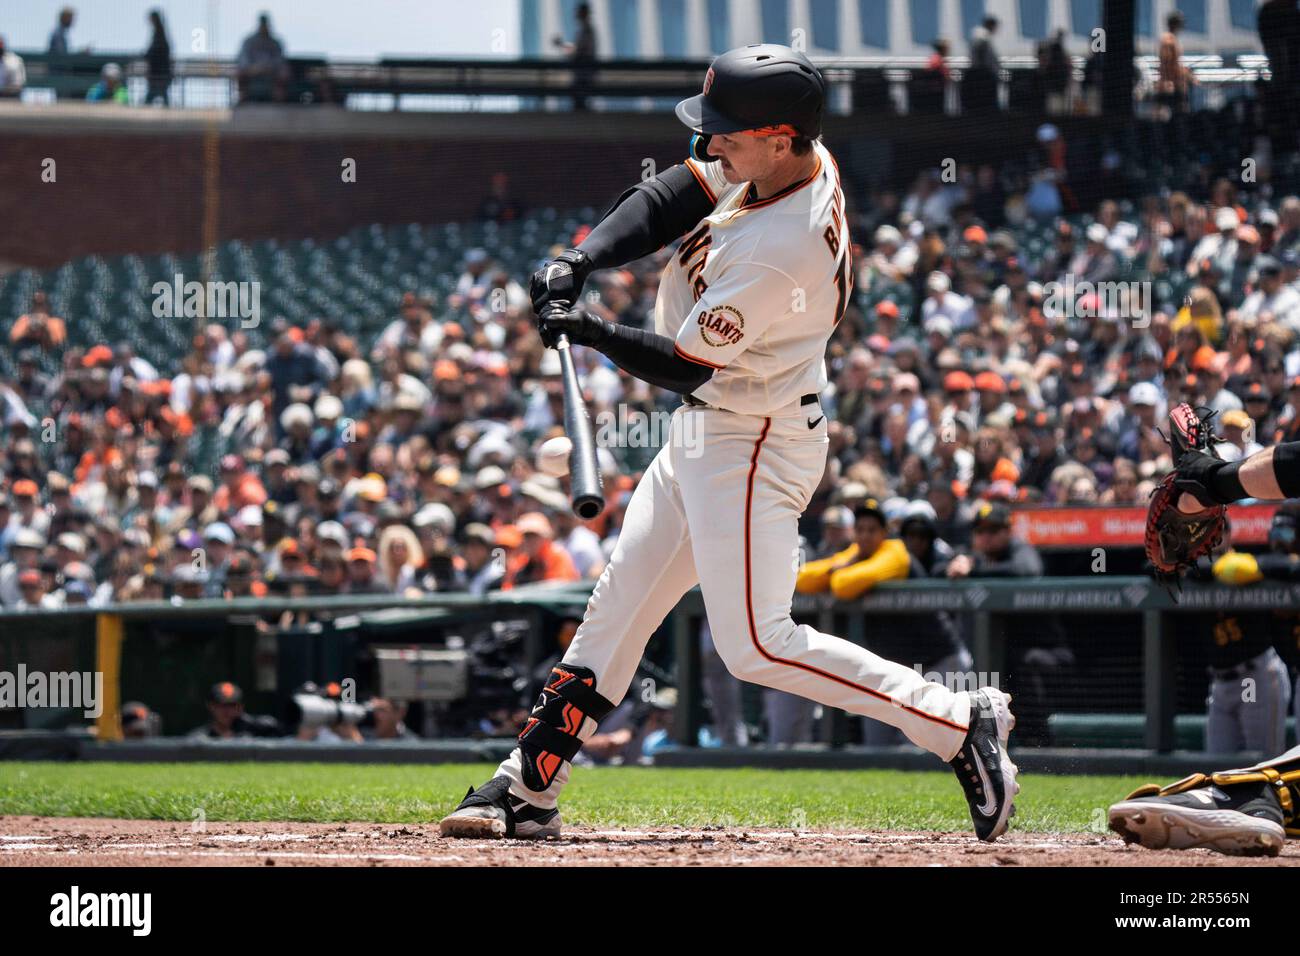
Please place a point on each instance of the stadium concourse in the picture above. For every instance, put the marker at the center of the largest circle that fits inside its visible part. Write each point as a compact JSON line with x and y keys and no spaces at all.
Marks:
{"x":367,"y":420}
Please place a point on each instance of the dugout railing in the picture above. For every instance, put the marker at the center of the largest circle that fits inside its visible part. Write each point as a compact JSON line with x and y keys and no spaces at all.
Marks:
{"x":857,"y":82}
{"x":99,"y":638}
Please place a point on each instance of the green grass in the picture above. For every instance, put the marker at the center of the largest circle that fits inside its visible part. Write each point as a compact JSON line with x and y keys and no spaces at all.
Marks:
{"x":630,"y":797}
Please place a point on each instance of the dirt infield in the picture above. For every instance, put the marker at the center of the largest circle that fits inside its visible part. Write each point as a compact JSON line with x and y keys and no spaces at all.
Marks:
{"x":50,"y":841}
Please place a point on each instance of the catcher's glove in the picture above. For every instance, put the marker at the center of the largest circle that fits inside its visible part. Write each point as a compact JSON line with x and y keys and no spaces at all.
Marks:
{"x":1175,"y":539}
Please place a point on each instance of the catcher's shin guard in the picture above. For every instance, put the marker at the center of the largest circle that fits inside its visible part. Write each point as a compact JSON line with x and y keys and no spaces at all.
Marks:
{"x":550,"y":736}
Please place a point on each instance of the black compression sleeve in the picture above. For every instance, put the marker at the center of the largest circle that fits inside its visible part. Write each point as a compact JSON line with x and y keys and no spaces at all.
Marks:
{"x":1286,"y":468}
{"x":647,"y":217}
{"x":652,"y":358}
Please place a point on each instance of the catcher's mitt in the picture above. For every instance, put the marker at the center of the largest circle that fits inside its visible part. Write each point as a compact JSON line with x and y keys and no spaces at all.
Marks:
{"x":1175,"y":539}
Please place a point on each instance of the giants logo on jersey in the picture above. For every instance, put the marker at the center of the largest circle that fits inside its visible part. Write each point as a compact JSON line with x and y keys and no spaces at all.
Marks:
{"x":723,"y":326}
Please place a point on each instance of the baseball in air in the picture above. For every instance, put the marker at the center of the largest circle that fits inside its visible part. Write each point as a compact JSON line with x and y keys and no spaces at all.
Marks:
{"x":553,"y":456}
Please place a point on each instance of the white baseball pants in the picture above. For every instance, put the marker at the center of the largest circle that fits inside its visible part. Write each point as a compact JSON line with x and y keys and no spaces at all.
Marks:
{"x":719,"y":506}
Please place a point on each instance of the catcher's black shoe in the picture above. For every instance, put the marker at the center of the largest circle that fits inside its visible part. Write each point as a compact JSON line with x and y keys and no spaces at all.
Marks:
{"x":983,"y":765}
{"x":1243,"y":819}
{"x":1195,"y":462}
{"x":492,"y":812}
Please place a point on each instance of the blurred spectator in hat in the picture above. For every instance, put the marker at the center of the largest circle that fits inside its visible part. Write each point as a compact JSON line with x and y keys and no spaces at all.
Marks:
{"x":1145,"y":406}
{"x":473,"y":281}
{"x":227,"y":719}
{"x":296,"y":373}
{"x":940,"y":300}
{"x":484,"y":563}
{"x":1095,"y":262}
{"x":995,"y":552}
{"x":1238,"y":432}
{"x":991,"y":462}
{"x":892,"y":259}
{"x":277,"y":479}
{"x":1211,"y":391}
{"x":198,"y":510}
{"x":144,"y":509}
{"x":362,"y":578}
{"x":139,"y":722}
{"x":414,"y":328}
{"x":357,"y":388}
{"x":241,"y":578}
{"x":1218,"y":248}
{"x":907,"y":397}
{"x":539,"y":556}
{"x":69,"y":547}
{"x":38,"y":328}
{"x":836,"y":530}
{"x":240,"y":487}
{"x":296,"y":423}
{"x":32,"y":385}
{"x":920,"y":534}
{"x":959,"y":387}
{"x":27,"y":510}
{"x":1271,"y":300}
{"x":111,"y":88}
{"x":33,"y":593}
{"x":993,"y":402}
{"x":1259,"y":406}
{"x":328,"y":432}
{"x":219,"y":544}
{"x":25,"y":547}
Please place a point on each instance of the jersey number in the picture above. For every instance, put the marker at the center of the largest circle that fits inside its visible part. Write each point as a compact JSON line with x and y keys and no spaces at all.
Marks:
{"x":843,"y":283}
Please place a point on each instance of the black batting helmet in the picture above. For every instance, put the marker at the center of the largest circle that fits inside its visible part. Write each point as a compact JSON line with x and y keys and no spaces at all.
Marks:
{"x":760,"y":86}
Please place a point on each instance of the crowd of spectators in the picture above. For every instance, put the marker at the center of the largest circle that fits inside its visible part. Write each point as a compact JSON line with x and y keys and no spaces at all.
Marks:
{"x":970,"y":370}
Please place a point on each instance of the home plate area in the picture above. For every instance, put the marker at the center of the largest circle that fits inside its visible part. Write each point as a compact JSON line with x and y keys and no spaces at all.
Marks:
{"x":47,"y":841}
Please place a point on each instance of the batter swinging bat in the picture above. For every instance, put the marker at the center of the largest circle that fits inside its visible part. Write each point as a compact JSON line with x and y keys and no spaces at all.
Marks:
{"x":584,"y":474}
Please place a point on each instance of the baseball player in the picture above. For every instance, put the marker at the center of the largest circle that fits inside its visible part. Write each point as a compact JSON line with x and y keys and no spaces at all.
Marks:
{"x":745,"y":308}
{"x":1250,"y":686}
{"x":1247,"y":812}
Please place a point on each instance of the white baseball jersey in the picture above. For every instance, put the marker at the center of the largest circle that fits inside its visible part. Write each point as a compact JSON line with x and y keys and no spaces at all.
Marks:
{"x":756,"y":288}
{"x":754,"y":291}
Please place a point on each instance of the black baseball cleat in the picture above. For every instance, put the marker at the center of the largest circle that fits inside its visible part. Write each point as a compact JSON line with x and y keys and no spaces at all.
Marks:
{"x":983,"y":765}
{"x":493,"y":812}
{"x":1243,"y":819}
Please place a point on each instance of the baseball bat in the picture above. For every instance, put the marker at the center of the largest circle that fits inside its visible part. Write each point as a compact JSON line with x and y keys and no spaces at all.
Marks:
{"x":584,"y":474}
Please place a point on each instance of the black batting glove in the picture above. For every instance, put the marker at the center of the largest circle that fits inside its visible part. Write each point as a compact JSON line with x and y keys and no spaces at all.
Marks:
{"x":560,"y":318}
{"x":560,"y":280}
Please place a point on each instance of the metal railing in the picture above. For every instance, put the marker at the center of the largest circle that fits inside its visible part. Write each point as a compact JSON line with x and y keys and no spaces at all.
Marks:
{"x":398,"y":83}
{"x":989,"y":602}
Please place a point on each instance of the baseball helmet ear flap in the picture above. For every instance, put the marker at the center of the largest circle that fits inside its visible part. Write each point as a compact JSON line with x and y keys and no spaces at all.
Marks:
{"x":700,"y":148}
